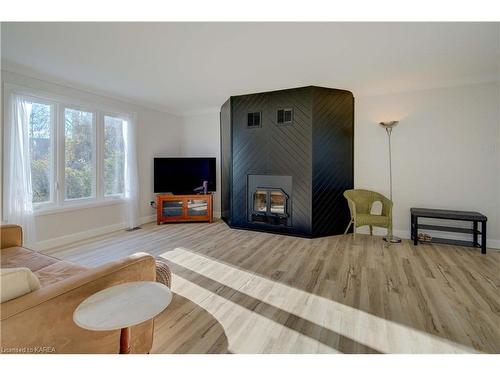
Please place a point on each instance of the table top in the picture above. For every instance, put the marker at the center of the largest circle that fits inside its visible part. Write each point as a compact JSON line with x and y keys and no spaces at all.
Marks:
{"x":448,"y":214}
{"x":122,"y":306}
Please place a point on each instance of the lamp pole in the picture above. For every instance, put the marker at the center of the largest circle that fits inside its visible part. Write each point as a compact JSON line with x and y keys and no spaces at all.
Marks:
{"x":388,"y":126}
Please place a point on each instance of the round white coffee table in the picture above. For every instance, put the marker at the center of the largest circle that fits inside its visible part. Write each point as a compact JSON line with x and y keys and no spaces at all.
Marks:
{"x":121,"y":307}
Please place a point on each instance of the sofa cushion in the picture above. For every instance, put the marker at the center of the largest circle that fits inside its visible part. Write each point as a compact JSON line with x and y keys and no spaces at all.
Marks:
{"x":16,"y":282}
{"x":21,"y":257}
{"x":58,"y":271}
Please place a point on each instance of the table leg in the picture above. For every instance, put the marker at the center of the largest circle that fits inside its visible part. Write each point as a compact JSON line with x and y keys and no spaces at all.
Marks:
{"x":483,"y":237}
{"x":125,"y":341}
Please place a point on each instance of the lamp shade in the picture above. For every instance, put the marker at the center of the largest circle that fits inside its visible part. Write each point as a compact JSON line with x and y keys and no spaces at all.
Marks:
{"x":388,"y":124}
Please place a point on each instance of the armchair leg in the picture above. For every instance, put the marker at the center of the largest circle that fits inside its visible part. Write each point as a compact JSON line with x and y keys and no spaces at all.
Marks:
{"x":371,"y":230}
{"x":348,"y":226}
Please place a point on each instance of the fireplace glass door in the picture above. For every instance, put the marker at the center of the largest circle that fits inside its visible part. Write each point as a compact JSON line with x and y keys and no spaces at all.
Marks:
{"x":277,"y":203}
{"x":260,"y":201}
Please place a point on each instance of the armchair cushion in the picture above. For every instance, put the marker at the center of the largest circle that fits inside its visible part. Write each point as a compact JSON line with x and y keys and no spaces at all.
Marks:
{"x":375,"y":220}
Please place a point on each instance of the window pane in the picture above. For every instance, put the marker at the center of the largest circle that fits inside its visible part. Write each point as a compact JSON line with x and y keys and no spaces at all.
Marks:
{"x":114,"y":156}
{"x":40,"y":133}
{"x":78,"y":163}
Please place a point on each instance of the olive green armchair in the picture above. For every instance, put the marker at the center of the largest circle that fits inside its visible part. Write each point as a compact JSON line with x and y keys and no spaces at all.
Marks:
{"x":360,"y":204}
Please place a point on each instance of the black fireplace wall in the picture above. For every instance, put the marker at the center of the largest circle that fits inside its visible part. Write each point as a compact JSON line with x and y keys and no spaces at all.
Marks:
{"x":315,"y":149}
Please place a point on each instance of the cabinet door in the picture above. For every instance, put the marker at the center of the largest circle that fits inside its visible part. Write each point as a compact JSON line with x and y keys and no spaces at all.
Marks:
{"x":197,"y":207}
{"x":172,"y":209}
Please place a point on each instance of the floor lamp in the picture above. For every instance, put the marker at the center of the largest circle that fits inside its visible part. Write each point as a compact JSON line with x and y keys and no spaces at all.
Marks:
{"x":388,"y":125}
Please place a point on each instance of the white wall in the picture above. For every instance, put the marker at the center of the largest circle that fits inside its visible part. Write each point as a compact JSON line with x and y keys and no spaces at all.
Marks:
{"x":445,"y":150}
{"x":159,"y":134}
{"x":201,"y":137}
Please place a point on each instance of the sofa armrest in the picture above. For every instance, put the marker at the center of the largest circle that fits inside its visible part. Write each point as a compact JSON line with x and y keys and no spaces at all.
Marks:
{"x":10,"y":235}
{"x":45,"y":316}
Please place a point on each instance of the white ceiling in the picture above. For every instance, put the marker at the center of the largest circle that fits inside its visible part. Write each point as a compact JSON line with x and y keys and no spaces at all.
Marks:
{"x":185,"y":67}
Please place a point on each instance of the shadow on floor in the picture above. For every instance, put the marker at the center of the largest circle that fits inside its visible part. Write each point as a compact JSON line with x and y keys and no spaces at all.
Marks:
{"x":186,"y":328}
{"x":285,"y":319}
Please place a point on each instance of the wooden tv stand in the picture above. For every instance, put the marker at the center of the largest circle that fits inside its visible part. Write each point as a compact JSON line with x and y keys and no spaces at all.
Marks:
{"x":184,"y":208}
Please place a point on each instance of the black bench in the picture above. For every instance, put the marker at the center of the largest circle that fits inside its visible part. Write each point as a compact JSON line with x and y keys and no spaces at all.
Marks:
{"x":474,"y":217}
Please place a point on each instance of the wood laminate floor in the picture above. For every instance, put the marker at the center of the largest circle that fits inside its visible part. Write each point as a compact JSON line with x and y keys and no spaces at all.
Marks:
{"x":240,"y":291}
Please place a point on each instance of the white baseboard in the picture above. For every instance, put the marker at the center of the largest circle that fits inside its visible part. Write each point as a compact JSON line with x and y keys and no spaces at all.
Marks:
{"x":79,"y":236}
{"x":492,"y":243}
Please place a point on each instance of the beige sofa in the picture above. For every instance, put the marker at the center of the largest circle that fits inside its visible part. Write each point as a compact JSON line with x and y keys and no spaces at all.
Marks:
{"x":42,"y":321}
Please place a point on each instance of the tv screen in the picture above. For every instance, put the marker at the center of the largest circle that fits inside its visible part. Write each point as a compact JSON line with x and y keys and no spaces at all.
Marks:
{"x":183,"y":175}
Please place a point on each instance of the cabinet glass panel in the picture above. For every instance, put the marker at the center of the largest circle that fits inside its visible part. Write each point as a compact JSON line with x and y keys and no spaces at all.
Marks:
{"x":197,"y":207}
{"x":172,"y":208}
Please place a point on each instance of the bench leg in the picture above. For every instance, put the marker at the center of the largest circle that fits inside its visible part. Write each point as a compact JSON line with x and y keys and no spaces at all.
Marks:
{"x":474,"y":234}
{"x":415,"y":230}
{"x":483,"y":237}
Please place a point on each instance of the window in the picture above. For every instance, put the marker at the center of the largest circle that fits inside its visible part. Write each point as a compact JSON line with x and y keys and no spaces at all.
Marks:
{"x":79,"y":147}
{"x":77,"y":154}
{"x":284,"y":116}
{"x":40,"y":135}
{"x":253,"y":119}
{"x":114,"y":156}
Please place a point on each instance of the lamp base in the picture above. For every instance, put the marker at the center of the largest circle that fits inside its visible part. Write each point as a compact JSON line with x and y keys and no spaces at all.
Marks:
{"x":392,"y":239}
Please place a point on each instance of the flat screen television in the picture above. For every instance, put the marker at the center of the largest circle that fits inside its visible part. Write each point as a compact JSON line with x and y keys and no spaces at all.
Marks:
{"x":183,"y":175}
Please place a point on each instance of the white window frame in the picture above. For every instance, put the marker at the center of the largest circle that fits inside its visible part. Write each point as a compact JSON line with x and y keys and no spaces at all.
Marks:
{"x":58,"y":104}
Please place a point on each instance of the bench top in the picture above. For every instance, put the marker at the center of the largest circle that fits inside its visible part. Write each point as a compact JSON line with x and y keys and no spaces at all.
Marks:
{"x":448,"y":214}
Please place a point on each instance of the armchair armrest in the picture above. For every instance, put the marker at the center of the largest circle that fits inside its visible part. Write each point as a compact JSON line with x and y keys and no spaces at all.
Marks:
{"x":10,"y":235}
{"x":352,"y":207}
{"x":386,"y":207}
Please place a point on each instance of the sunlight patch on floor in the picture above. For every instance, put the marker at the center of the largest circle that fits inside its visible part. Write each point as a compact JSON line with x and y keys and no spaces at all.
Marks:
{"x":248,"y":331}
{"x":256,"y":333}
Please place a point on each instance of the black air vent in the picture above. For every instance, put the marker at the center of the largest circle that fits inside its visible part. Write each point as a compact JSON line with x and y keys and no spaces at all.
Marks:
{"x":253,"y":120}
{"x":285,"y":116}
